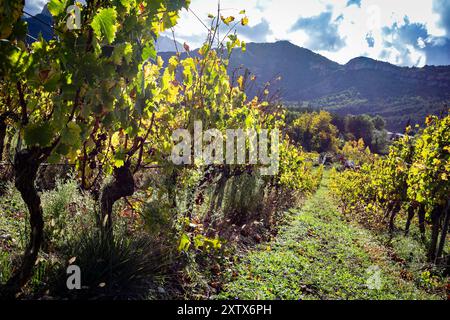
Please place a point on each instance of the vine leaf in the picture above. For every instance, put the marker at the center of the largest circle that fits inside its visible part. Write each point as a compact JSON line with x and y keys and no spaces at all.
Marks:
{"x":227,"y":20}
{"x":56,"y":7}
{"x":104,"y":24}
{"x":38,"y":134}
{"x":71,"y":135}
{"x":185,"y":243}
{"x":149,"y":52}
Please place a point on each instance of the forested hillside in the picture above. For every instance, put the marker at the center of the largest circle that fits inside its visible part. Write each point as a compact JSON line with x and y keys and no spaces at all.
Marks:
{"x":362,"y":86}
{"x":303,"y":79}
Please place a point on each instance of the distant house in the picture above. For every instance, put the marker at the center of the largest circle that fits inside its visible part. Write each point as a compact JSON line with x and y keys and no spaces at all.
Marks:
{"x":395,"y":135}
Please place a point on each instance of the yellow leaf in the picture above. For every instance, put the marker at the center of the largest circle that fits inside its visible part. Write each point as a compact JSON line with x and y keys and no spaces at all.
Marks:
{"x":227,"y":20}
{"x":185,"y":243}
{"x":240,"y":82}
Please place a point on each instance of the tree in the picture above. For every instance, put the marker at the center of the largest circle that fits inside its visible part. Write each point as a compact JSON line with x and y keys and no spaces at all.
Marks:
{"x":361,"y":127}
{"x":315,"y":132}
{"x":63,"y":92}
{"x":371,"y":130}
{"x":379,"y":123}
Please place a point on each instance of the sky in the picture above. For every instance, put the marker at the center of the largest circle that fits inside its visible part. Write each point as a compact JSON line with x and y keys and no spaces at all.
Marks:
{"x":402,"y":32}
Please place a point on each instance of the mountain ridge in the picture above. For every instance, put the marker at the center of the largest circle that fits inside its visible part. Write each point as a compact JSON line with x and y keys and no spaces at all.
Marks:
{"x":305,"y":79}
{"x":362,"y":85}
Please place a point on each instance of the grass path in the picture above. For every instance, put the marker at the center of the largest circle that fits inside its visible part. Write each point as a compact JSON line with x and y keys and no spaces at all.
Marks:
{"x":321,"y":256}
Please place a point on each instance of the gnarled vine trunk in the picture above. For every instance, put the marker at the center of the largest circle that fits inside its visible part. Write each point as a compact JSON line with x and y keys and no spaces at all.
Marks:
{"x":444,"y":232}
{"x":394,"y":212}
{"x":3,"y":129}
{"x":411,"y":212}
{"x":122,"y":185}
{"x":171,"y":189}
{"x":26,"y":165}
{"x":421,"y":216}
{"x":2,"y":136}
{"x":435,"y":226}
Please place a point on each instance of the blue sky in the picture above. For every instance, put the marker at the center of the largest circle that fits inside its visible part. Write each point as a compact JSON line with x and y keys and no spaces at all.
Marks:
{"x":403,"y":32}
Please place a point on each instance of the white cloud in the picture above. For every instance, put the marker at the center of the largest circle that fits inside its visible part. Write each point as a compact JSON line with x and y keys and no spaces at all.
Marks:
{"x":34,"y":7}
{"x":355,"y":26}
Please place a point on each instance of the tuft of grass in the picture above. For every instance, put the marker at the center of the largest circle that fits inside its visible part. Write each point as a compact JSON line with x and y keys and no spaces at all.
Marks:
{"x":5,"y":266}
{"x":68,"y":213}
{"x":123,"y":269}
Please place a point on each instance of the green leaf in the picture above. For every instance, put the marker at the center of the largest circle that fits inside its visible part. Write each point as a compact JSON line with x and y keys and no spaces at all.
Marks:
{"x":61,"y":149}
{"x":56,"y":7}
{"x":119,"y":159}
{"x":188,"y":69}
{"x":104,"y":24}
{"x":173,"y":63}
{"x":38,"y":134}
{"x":70,"y":135}
{"x":243,"y":46}
{"x":123,"y":50}
{"x":126,"y":3}
{"x":149,"y":52}
{"x":185,"y":243}
{"x":176,"y":5}
{"x":118,"y":163}
{"x":169,"y":20}
{"x":54,"y":157}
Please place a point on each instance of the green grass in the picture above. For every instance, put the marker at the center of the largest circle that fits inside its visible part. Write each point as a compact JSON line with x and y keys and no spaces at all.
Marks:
{"x":321,"y":256}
